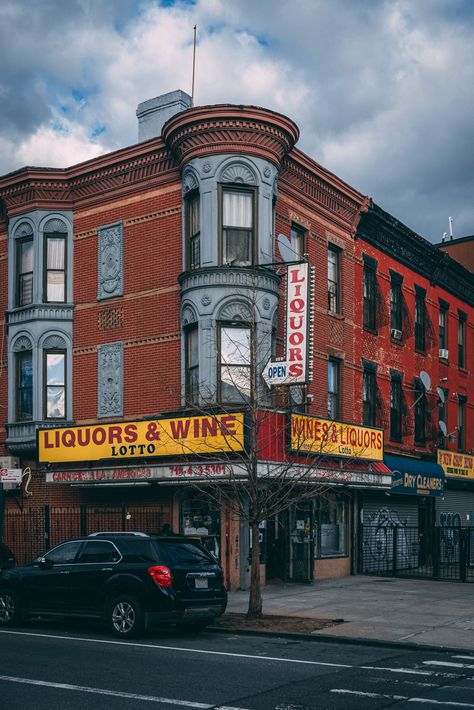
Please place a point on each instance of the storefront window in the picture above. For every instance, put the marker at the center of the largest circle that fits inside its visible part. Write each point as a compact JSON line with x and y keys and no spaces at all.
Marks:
{"x":200,"y":518}
{"x":331,"y":526}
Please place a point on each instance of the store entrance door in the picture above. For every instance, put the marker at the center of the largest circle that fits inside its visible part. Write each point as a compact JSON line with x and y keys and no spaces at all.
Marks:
{"x":277,"y":548}
{"x":301,"y":557}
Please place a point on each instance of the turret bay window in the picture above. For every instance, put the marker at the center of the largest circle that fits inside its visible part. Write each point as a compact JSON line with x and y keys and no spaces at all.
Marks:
{"x":370,"y":293}
{"x":55,"y":268}
{"x":234,"y":363}
{"x":55,"y":384}
{"x":192,"y":364}
{"x":396,"y":406}
{"x":420,"y":319}
{"x":333,"y":280}
{"x":237,"y":227}
{"x":24,"y":293}
{"x":193,"y":230}
{"x":24,"y":385}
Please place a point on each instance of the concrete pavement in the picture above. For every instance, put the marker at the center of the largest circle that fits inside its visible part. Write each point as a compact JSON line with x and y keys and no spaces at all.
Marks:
{"x":407,"y":611}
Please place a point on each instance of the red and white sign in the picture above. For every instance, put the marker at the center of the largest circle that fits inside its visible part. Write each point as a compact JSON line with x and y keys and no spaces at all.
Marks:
{"x":293,"y":369}
{"x":10,"y":475}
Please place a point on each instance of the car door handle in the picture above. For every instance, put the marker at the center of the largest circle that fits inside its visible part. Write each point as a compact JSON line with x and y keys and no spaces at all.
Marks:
{"x":106,"y":569}
{"x":64,"y":571}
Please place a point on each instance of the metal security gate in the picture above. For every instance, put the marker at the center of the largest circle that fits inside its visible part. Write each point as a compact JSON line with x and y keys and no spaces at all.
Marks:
{"x":28,"y":533}
{"x":400,"y":551}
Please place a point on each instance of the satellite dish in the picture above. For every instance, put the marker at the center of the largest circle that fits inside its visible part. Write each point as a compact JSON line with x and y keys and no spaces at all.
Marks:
{"x":285,"y":248}
{"x":425,"y":379}
{"x":443,"y":428}
{"x":441,"y":395}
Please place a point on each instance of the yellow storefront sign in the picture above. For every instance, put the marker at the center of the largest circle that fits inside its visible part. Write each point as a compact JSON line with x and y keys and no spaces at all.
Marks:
{"x":332,"y":438}
{"x":456,"y":465}
{"x":177,"y":436}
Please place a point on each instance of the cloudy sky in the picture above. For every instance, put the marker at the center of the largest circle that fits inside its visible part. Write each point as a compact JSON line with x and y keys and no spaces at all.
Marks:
{"x":382,"y":90}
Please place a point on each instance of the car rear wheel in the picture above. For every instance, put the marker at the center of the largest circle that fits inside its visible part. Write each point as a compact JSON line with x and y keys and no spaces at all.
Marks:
{"x":125,"y":617}
{"x":10,"y":611}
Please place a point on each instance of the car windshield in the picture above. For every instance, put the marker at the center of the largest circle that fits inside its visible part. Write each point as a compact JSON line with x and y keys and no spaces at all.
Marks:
{"x":184,"y":552}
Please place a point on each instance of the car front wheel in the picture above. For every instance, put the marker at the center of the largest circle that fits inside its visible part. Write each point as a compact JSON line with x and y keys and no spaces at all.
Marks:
{"x":125,"y":617}
{"x":10,"y":612}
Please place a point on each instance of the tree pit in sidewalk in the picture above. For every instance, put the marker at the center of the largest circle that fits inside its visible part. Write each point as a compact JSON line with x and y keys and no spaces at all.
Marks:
{"x":275,"y":623}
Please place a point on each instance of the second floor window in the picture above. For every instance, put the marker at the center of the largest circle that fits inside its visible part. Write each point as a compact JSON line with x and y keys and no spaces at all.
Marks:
{"x":24,"y":385}
{"x":462,"y":424}
{"x":443,"y":331}
{"x":396,"y":307}
{"x":420,"y":320}
{"x":234,"y":363}
{"x":442,"y":417}
{"x":55,"y":384}
{"x":297,"y":242}
{"x":420,"y":412}
{"x":55,"y":268}
{"x":237,"y":227}
{"x":333,"y":388}
{"x":396,"y":408}
{"x":192,"y":365}
{"x":370,"y":286}
{"x":24,"y":295}
{"x":369,"y":397}
{"x":193,"y":231}
{"x":333,"y":280}
{"x":462,"y":340}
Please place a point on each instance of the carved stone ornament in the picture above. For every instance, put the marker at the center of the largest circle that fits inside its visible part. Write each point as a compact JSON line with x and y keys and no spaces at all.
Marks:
{"x":207,"y":167}
{"x":55,"y":226}
{"x":206,"y":300}
{"x":110,"y":363}
{"x":23,"y":230}
{"x":22,"y":343}
{"x":267,"y":172}
{"x":235,"y":311}
{"x":189,"y":182}
{"x":111,"y":261}
{"x":238,"y":173}
{"x":54,"y":342}
{"x":266,"y":304}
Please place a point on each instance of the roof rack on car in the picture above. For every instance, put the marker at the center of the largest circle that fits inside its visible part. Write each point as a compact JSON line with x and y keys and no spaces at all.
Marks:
{"x":117,"y":532}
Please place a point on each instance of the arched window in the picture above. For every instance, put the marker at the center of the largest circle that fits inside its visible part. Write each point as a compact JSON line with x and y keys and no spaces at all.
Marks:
{"x":23,"y":379}
{"x":55,"y":241}
{"x":24,"y":265}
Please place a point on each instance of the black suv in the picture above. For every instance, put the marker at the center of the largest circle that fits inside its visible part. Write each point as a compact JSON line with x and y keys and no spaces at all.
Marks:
{"x":128,"y":579}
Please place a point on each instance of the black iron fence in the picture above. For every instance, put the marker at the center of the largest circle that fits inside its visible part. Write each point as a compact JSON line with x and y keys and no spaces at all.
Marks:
{"x":442,"y":553}
{"x":28,"y":533}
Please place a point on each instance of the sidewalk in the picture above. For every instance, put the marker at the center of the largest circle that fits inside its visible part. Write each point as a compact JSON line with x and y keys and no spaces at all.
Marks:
{"x":407,"y":611}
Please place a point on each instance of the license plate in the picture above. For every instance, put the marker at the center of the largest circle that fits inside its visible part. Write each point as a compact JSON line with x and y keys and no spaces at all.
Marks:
{"x":201,"y":583}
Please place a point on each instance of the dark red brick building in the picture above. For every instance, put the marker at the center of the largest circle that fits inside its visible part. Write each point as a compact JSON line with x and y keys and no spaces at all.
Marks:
{"x":144,"y":286}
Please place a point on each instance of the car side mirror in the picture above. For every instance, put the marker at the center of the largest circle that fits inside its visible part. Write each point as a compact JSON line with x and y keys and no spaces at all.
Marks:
{"x":44,"y":562}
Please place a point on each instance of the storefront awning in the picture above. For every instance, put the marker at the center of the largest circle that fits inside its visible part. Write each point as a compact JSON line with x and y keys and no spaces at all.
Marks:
{"x":415,"y":477}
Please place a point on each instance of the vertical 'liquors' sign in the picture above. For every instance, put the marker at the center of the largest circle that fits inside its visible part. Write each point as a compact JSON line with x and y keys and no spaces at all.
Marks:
{"x":295,"y":367}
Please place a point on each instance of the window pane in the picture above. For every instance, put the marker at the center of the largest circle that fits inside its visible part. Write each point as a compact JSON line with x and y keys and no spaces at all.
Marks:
{"x":26,"y":256}
{"x":55,"y":405}
{"x":237,"y":246}
{"x":64,"y":554}
{"x":235,"y":346}
{"x":237,"y":209}
{"x":56,"y":251}
{"x":26,"y":370}
{"x":235,"y":383}
{"x":55,"y":286}
{"x":55,"y":368}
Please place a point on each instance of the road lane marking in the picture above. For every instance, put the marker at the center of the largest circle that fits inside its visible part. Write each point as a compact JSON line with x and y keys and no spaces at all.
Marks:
{"x":117,"y":693}
{"x":396,"y":670}
{"x":134,"y":644}
{"x":465,"y":658}
{"x":448,"y":664}
{"x":421,"y":701}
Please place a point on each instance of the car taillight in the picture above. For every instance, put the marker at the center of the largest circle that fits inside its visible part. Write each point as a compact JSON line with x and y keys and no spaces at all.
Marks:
{"x":161,"y":575}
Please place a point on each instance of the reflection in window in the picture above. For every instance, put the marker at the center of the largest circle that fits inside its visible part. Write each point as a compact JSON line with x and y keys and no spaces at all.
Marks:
{"x":25,"y":272}
{"x":55,"y":268}
{"x":24,"y":385}
{"x":64,"y":554}
{"x":234,"y":364}
{"x":237,"y":227}
{"x":55,"y":377}
{"x":333,"y":389}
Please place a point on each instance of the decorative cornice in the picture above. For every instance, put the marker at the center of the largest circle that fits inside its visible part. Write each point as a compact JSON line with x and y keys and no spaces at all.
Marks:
{"x":260,"y":279}
{"x":40,"y":312}
{"x":115,"y":174}
{"x":225,"y":128}
{"x":386,"y":233}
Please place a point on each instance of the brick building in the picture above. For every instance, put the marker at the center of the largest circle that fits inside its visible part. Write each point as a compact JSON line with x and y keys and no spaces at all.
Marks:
{"x":144,"y":285}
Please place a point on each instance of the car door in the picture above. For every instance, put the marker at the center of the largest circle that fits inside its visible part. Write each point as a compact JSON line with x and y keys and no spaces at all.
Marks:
{"x":96,"y":562}
{"x":46,"y":582}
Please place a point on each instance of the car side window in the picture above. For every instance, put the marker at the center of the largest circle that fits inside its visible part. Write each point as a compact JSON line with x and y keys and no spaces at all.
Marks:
{"x":99,"y":551}
{"x":65,"y":553}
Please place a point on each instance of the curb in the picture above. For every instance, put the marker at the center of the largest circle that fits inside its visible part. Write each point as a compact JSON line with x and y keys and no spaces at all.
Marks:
{"x":326,"y":638}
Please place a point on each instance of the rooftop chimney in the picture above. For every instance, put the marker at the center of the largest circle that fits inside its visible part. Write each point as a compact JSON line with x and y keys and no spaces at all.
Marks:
{"x":153,"y":114}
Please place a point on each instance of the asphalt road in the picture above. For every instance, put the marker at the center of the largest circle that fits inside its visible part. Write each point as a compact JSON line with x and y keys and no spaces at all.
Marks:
{"x":72,"y":667}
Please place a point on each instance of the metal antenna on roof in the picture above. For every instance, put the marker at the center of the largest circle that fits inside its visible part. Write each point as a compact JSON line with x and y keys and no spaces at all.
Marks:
{"x":194,"y":67}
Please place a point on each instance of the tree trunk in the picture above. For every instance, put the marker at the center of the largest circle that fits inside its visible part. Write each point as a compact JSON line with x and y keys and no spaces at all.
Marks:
{"x":255,"y":596}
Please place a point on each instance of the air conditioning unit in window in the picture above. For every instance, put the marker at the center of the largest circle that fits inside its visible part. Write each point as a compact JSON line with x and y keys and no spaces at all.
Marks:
{"x":396,"y":334}
{"x":444,"y":353}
